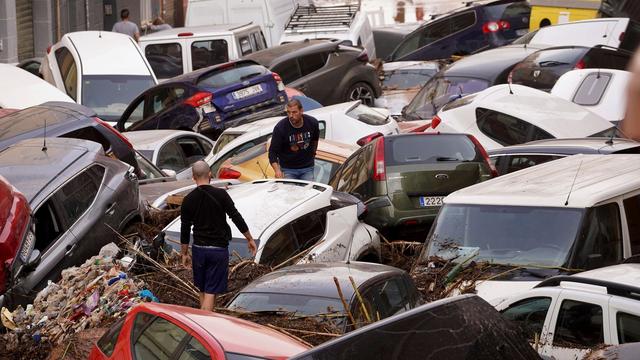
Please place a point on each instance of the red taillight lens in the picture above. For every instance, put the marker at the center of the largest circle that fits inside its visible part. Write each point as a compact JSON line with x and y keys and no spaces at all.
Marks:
{"x":276,"y":77}
{"x":279,"y":82}
{"x":379,"y":172}
{"x":116,"y":132}
{"x":364,"y":57}
{"x":49,"y":48}
{"x":14,"y":221}
{"x":369,"y":138}
{"x":504,"y":25}
{"x":227,"y":173}
{"x":485,"y":156}
{"x":199,"y":99}
{"x":580,"y":65}
{"x":435,"y":121}
{"x":185,"y":34}
{"x":490,"y":27}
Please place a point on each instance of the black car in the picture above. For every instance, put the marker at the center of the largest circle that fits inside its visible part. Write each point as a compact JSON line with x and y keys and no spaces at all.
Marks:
{"x":467,"y":76}
{"x":543,"y":68}
{"x":69,"y":120}
{"x":474,"y":28}
{"x":323,"y":70}
{"x":75,"y":193}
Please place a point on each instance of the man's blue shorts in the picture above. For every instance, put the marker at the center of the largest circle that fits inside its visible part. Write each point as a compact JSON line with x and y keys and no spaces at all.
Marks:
{"x":210,"y":268}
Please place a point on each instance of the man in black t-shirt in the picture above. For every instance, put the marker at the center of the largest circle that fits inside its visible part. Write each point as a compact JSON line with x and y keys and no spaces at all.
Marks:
{"x":206,"y":209}
{"x":294,"y":143}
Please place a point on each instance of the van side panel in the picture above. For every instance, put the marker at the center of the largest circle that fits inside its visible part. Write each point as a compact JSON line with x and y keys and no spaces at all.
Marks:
{"x":206,"y":12}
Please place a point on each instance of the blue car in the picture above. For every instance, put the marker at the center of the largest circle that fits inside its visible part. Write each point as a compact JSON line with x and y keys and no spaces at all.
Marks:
{"x":208,"y":100}
{"x":468,"y":30}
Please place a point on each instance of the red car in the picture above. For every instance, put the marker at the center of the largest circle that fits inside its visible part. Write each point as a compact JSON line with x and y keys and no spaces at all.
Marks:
{"x":161,"y":331}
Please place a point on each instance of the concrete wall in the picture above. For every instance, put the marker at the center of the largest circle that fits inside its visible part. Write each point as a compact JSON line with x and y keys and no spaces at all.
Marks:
{"x":43,"y":26}
{"x":8,"y":32}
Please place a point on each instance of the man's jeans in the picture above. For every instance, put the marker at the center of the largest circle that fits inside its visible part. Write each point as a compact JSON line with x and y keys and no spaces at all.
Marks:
{"x":300,"y":174}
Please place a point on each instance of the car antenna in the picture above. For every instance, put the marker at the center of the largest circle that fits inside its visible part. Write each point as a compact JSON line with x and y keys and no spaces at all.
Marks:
{"x":613,"y":135}
{"x":44,"y":138}
{"x":572,"y":184}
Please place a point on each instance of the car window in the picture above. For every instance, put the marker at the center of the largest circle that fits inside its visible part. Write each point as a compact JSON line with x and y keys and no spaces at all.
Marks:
{"x":245,"y":45}
{"x":632,"y":212}
{"x":312,"y":62}
{"x":107,"y":343}
{"x":249,"y":154}
{"x":194,"y":350}
{"x":147,"y":170}
{"x":403,"y":79}
{"x":91,"y":133}
{"x":165,"y":59}
{"x":68,"y":72}
{"x":258,"y":39}
{"x":170,"y":157}
{"x":280,"y":247}
{"x":368,"y":115}
{"x":233,"y":75}
{"x":600,"y":238}
{"x":237,"y":150}
{"x":49,"y":225}
{"x":206,"y":146}
{"x":408,"y":45}
{"x":350,"y":178}
{"x":430,"y":149}
{"x":159,"y":341}
{"x":164,"y":98}
{"x":235,"y":356}
{"x":322,"y":127}
{"x":323,"y":170}
{"x":631,"y":37}
{"x":391,"y":297}
{"x":529,"y":314}
{"x":191,"y":149}
{"x":208,"y":53}
{"x":77,"y":195}
{"x":506,"y":11}
{"x":606,"y":58}
{"x":310,"y":228}
{"x":628,"y":328}
{"x":136,"y":114}
{"x":139,"y":323}
{"x":592,"y":89}
{"x":110,"y":95}
{"x":507,"y":130}
{"x":289,"y":71}
{"x":519,"y":162}
{"x":579,"y":325}
{"x":223,"y":140}
{"x":462,"y":21}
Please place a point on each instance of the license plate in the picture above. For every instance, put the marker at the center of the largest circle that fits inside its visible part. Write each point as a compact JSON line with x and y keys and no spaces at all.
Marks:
{"x":208,"y":107}
{"x":521,"y":32}
{"x":431,"y":201}
{"x":246,"y":92}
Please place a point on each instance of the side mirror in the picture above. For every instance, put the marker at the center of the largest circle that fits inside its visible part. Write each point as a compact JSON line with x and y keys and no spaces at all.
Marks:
{"x":34,"y":260}
{"x":170,"y":173}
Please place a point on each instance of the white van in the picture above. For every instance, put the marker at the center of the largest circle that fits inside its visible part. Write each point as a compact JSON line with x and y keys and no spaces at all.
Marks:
{"x":181,"y":50}
{"x":343,"y":22}
{"x":578,"y":213}
{"x":271,"y":15}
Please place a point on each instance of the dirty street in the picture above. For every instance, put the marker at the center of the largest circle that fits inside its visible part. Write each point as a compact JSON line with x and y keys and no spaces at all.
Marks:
{"x":319,"y":179}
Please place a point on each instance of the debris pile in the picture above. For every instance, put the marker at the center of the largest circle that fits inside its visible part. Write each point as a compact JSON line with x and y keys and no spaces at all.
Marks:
{"x":400,"y":254}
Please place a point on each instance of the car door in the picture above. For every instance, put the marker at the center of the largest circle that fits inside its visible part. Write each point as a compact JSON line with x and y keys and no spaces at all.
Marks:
{"x":166,"y":109}
{"x":624,"y":320}
{"x":191,"y":148}
{"x":314,"y":77}
{"x":338,"y":240}
{"x":533,"y":314}
{"x":289,"y":71}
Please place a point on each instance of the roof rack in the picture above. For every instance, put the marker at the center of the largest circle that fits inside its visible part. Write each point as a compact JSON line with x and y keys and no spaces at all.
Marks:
{"x":312,"y":16}
{"x":613,"y":288}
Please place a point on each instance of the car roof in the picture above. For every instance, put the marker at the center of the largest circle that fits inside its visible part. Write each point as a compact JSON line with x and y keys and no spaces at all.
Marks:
{"x":99,"y":49}
{"x":571,"y":146}
{"x":590,"y":180}
{"x":491,"y":63}
{"x":150,"y":139}
{"x":560,"y":117}
{"x":33,"y":90}
{"x":234,"y":335}
{"x":194,"y":76}
{"x":271,"y":56}
{"x":30,"y":169}
{"x":197,"y":31}
{"x":316,"y":279}
{"x":626,"y":274}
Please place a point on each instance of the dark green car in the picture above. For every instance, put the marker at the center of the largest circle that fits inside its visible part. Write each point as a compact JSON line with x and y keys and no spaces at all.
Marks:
{"x":403,"y":178}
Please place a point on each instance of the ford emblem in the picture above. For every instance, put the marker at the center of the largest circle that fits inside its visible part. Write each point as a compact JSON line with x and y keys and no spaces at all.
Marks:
{"x":245,"y":83}
{"x":442,"y":176}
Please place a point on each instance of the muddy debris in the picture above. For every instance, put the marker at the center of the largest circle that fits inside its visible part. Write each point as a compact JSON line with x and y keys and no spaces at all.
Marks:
{"x":400,"y":254}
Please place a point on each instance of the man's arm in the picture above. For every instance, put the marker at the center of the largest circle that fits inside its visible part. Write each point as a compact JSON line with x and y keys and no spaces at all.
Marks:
{"x":136,"y":35}
{"x":274,"y":148}
{"x":234,"y":214}
{"x":186,"y":221}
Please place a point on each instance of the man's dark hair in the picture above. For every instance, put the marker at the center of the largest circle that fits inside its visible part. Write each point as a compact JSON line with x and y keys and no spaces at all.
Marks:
{"x":294,"y":102}
{"x":124,"y":14}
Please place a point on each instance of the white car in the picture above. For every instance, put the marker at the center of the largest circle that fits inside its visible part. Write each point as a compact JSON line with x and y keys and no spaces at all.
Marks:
{"x":287,"y":217}
{"x":602,"y":91}
{"x":102,"y":70}
{"x":504,"y":115}
{"x":569,"y":315}
{"x":21,"y":89}
{"x":346,"y":123}
{"x":173,"y":150}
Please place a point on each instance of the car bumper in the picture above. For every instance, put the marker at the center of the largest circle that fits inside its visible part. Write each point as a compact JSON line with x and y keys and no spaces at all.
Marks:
{"x":383,"y":215}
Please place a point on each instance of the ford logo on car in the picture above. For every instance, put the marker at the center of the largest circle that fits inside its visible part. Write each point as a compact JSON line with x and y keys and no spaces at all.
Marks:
{"x":442,"y":176}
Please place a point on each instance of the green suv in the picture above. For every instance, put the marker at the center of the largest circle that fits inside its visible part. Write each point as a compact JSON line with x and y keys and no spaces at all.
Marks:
{"x":403,"y":178}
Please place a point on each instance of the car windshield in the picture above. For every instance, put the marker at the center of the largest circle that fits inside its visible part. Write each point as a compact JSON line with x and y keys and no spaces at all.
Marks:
{"x":505,"y":235}
{"x":148,"y":170}
{"x":223,"y":140}
{"x":109,"y":95}
{"x":228,"y":76}
{"x":300,"y":304}
{"x":249,"y":154}
{"x":438,"y":92}
{"x":403,"y":79}
{"x":368,"y":115}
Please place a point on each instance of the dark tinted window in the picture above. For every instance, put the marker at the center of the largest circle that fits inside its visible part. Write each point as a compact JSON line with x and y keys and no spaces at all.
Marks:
{"x":429,"y":149}
{"x":607,"y":59}
{"x":68,"y":72}
{"x":301,"y":304}
{"x":159,"y":340}
{"x":579,"y":325}
{"x":165,"y":59}
{"x":280,"y":247}
{"x":78,"y":194}
{"x":529,"y":314}
{"x":48,"y":225}
{"x":631,"y":37}
{"x":519,"y":162}
{"x":171,"y":157}
{"x":507,"y":130}
{"x":228,"y":76}
{"x":600,"y":238}
{"x":506,"y":11}
{"x":288,"y":71}
{"x":191,"y":149}
{"x":194,"y":350}
{"x":90,"y":133}
{"x":628,"y":328}
{"x":107,"y":343}
{"x":245,"y":45}
{"x":312,"y":62}
{"x":632,"y":211}
{"x":462,"y":21}
{"x":310,"y":228}
{"x":592,"y":89}
{"x":209,"y":52}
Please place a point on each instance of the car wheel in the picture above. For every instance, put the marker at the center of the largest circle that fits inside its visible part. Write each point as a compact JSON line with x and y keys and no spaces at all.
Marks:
{"x":361,"y":91}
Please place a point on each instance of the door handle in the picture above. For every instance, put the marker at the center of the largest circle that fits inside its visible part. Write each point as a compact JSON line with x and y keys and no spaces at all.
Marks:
{"x":70,"y":249}
{"x":111,"y":209}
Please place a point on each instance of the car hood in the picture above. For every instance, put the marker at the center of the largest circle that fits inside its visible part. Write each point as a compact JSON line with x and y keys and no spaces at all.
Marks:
{"x":494,"y":292}
{"x":395,"y":100}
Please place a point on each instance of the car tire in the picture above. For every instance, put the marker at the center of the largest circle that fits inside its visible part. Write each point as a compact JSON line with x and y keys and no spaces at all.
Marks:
{"x":361,"y":91}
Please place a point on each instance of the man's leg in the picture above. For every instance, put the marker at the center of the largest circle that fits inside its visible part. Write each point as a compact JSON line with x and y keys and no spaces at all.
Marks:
{"x":289,"y":173}
{"x":306,"y":174}
{"x":201,"y":299}
{"x":209,"y":302}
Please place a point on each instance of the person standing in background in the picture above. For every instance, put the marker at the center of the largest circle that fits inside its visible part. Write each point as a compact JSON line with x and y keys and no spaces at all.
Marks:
{"x":124,"y":26}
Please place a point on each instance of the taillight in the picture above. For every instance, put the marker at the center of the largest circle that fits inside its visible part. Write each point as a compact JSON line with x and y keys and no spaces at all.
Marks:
{"x":116,"y":132}
{"x":278,"y":80}
{"x":495,"y":26}
{"x":49,"y":48}
{"x":485,"y":156}
{"x":227,"y":173}
{"x":185,"y":34}
{"x":504,"y":25}
{"x":369,"y":138}
{"x":621,"y":37}
{"x":364,"y":57}
{"x":199,"y":99}
{"x":422,"y":128}
{"x":378,"y":161}
{"x":14,"y":220}
{"x":435,"y":121}
{"x":580,"y":65}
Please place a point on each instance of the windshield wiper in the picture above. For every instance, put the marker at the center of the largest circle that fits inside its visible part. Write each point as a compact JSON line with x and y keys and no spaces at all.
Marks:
{"x":551,"y":63}
{"x":249,"y":76}
{"x":444,"y":158}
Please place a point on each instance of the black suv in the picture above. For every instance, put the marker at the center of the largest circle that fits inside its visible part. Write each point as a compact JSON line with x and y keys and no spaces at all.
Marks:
{"x":75,"y":193}
{"x":321,"y":68}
